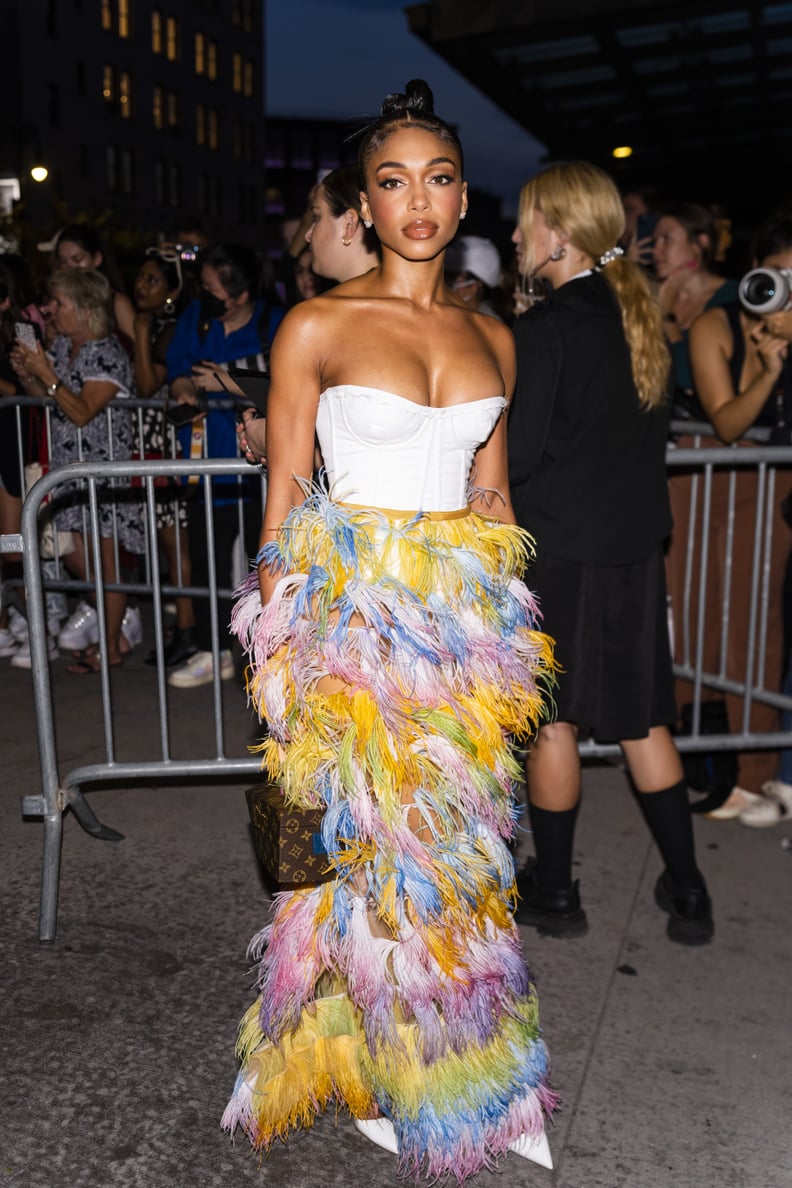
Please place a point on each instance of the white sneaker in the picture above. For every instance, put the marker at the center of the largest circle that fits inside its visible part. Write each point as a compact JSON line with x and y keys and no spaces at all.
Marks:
{"x":132,"y":627}
{"x":8,"y":642}
{"x":771,"y":807}
{"x":80,"y":630}
{"x":17,"y":624}
{"x":736,"y":803}
{"x":22,"y":657}
{"x":199,"y":670}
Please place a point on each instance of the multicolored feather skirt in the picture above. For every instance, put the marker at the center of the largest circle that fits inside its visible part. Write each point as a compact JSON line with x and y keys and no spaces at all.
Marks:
{"x":394,"y":662}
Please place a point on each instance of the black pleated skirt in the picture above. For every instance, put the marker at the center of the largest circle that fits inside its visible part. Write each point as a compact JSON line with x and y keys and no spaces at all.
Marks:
{"x":610,"y":624}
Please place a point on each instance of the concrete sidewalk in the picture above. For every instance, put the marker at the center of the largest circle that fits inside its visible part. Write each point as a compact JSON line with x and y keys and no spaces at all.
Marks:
{"x":117,"y":1039}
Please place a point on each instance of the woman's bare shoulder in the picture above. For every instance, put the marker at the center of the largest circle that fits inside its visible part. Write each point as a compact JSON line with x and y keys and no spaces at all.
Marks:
{"x":712,"y":325}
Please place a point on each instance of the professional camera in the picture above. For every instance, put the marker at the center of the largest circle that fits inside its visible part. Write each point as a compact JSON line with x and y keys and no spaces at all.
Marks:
{"x":767,"y":290}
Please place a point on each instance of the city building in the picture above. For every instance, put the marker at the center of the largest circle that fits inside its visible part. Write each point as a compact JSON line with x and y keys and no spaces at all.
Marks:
{"x":150,"y":112}
{"x":693,"y":97}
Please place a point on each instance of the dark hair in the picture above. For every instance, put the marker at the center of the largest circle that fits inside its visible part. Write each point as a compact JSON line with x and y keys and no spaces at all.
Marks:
{"x":22,"y":280}
{"x":91,"y":241}
{"x":9,"y":291}
{"x":697,"y":221}
{"x":237,"y":266}
{"x":341,"y":189}
{"x":413,"y":109}
{"x":773,"y":238}
{"x":170,"y":273}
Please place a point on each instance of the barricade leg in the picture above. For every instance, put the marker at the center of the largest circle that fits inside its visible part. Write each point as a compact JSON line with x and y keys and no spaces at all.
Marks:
{"x":50,"y":874}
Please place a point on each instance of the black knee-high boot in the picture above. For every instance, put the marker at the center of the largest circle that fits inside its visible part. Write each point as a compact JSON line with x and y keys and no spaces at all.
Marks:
{"x":553,"y":837}
{"x":667,"y":813}
{"x":680,"y":890}
{"x":549,"y":900}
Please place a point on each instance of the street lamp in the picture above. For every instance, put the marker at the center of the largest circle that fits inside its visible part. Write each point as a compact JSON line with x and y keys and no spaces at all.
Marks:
{"x":39,"y":173}
{"x":622,"y":151}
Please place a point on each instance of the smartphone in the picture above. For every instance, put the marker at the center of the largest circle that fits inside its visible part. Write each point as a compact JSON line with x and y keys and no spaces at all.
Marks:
{"x":645,"y":226}
{"x":24,"y":332}
{"x":254,"y":384}
{"x":182,"y":414}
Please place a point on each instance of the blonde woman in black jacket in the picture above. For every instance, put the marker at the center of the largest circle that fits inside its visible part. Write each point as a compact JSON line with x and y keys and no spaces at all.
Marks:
{"x":586,"y":457}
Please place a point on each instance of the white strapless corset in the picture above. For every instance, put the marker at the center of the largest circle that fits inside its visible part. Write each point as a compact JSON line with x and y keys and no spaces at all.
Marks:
{"x":383,"y":450}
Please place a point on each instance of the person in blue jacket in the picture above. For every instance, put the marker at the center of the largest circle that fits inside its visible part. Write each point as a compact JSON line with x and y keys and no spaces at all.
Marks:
{"x":229,"y":325}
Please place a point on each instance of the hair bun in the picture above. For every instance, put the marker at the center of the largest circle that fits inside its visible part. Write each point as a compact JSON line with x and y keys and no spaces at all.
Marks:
{"x":417,"y":98}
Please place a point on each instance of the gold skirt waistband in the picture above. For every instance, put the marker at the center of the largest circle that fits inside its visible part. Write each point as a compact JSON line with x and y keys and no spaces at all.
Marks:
{"x":392,"y":514}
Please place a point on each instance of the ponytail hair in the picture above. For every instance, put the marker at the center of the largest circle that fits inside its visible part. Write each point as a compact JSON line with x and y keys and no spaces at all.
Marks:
{"x":582,"y":201}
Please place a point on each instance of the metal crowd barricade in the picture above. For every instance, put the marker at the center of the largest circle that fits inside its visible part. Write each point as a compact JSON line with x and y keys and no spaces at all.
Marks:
{"x":62,"y":791}
{"x":704,"y":464}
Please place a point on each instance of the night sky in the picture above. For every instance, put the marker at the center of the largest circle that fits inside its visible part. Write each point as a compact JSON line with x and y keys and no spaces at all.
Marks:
{"x":339,"y":58}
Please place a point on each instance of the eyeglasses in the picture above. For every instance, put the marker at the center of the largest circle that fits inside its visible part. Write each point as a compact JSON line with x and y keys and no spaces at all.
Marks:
{"x":169,"y":256}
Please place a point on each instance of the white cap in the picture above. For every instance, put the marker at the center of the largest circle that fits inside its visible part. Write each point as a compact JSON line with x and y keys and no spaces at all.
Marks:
{"x":477,"y":256}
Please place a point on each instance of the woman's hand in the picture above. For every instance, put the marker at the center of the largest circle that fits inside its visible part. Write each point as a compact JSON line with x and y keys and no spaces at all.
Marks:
{"x":641,"y":251}
{"x":771,"y":349}
{"x":32,"y":364}
{"x":205,"y":380}
{"x":251,"y":432}
{"x":142,"y":323}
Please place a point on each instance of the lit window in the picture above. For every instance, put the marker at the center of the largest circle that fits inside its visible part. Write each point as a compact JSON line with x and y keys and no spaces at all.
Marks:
{"x":172,"y":39}
{"x":157,"y":108}
{"x":156,"y":31}
{"x":200,"y":124}
{"x":172,"y":109}
{"x":107,"y":14}
{"x":125,"y":94}
{"x":213,"y":137}
{"x":237,"y":72}
{"x":211,"y":60}
{"x":200,"y":53}
{"x":248,"y":83}
{"x":124,"y":19}
{"x":108,"y":84}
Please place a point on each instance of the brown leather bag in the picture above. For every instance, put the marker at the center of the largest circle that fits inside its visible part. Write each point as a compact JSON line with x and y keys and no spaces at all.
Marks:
{"x":288,"y":840}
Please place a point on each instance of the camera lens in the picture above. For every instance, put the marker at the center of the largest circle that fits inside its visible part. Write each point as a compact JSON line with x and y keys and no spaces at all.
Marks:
{"x":765,"y":290}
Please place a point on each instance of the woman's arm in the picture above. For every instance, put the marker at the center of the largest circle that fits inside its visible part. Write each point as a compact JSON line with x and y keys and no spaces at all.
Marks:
{"x":149,"y":376}
{"x":80,"y":407}
{"x":124,"y":314}
{"x":491,"y":495}
{"x":731,"y":413}
{"x":292,"y":404}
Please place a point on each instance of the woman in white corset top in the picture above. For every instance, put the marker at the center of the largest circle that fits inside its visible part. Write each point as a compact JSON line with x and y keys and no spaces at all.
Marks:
{"x":393,"y":652}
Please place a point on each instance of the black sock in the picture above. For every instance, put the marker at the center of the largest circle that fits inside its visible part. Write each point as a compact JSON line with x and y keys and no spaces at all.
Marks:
{"x":553,"y":835}
{"x":667,"y":813}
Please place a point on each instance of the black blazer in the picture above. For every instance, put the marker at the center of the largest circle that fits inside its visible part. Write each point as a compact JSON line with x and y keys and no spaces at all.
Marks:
{"x":586,"y":460}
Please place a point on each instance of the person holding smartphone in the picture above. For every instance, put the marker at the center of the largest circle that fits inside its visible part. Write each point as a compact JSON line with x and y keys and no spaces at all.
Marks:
{"x":228,"y":325}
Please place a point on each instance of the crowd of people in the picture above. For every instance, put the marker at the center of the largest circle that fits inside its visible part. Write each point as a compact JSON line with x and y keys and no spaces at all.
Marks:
{"x":423,"y":462}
